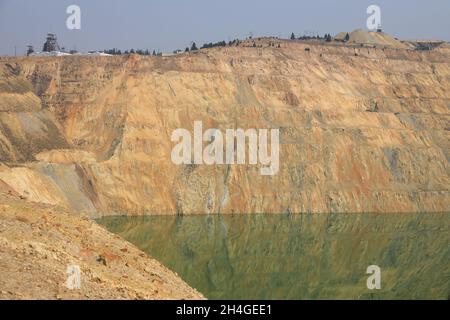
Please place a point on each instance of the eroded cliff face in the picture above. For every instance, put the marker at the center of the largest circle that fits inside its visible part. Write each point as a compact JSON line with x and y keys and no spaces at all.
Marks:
{"x":361,"y":130}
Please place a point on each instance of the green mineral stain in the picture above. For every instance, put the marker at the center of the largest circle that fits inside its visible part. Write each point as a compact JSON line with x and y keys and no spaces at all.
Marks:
{"x":307,"y":256}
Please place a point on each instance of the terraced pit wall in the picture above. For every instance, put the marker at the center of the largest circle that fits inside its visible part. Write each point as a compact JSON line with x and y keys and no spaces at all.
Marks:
{"x":361,"y":130}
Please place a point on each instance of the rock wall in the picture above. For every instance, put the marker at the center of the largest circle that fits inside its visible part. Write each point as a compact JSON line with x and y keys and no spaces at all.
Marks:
{"x":361,"y":129}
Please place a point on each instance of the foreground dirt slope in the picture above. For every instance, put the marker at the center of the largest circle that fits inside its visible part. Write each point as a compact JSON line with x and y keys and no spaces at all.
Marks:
{"x":362,"y":129}
{"x":38,"y":244}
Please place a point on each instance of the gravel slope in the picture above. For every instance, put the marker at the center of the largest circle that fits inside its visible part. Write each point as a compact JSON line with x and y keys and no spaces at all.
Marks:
{"x":38,"y":243}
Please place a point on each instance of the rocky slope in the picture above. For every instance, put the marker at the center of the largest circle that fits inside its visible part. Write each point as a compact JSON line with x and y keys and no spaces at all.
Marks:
{"x":361,"y":129}
{"x":39,"y":243}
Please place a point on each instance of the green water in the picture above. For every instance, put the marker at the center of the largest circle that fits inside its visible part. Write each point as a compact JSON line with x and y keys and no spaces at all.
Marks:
{"x":299,"y":256}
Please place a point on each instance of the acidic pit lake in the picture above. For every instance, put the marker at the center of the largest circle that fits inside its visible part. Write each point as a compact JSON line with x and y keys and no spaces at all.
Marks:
{"x":321,"y":256}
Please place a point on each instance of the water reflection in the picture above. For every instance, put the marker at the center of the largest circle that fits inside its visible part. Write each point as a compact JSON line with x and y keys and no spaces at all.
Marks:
{"x":299,"y":256}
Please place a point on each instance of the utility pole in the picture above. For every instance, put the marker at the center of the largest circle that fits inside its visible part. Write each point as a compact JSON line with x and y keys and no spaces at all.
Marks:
{"x":15,"y":51}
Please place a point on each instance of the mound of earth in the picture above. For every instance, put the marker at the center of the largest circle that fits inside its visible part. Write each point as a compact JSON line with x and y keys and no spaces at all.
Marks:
{"x":361,"y":36}
{"x":445,"y":45}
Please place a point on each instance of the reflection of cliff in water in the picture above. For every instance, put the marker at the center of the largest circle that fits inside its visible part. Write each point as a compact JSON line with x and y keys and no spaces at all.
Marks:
{"x":299,"y":256}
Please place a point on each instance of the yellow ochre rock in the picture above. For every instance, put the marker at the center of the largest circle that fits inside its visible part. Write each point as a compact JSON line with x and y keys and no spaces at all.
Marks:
{"x":361,"y":129}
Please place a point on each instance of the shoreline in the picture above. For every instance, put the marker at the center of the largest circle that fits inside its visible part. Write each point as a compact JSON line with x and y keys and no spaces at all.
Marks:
{"x":39,"y":243}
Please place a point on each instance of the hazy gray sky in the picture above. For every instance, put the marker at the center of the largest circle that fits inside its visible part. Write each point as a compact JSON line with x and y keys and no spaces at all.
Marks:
{"x":170,"y":24}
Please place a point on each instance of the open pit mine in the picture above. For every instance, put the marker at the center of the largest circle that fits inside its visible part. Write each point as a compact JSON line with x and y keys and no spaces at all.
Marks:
{"x":359,"y":125}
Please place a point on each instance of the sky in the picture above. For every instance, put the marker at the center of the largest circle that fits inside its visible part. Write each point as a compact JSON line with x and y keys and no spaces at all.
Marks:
{"x":166,"y":25}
